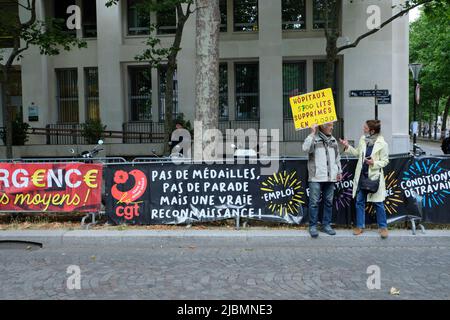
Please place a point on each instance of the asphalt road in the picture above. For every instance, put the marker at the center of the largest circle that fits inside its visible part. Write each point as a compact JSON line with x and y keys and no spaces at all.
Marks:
{"x":227,"y":266}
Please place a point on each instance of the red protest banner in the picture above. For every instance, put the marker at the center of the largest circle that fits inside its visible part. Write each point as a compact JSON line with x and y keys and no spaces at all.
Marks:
{"x":50,"y":187}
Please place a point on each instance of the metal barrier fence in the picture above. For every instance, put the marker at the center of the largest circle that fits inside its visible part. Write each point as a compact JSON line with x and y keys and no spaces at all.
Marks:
{"x":105,"y":160}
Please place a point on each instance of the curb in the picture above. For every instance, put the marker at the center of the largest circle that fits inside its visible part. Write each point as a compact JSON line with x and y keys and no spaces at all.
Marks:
{"x":182,"y":238}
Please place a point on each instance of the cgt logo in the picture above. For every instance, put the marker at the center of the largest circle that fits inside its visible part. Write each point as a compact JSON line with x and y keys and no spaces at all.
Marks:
{"x":131,"y":207}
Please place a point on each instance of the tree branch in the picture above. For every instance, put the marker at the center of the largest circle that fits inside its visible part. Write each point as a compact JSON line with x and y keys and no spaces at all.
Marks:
{"x":32,"y":20}
{"x":365,"y":35}
{"x":21,"y":5}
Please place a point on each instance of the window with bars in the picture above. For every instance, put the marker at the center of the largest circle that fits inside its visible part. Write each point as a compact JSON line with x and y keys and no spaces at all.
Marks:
{"x":60,"y":13}
{"x":140,"y":93}
{"x":245,"y":15}
{"x":92,"y":101}
{"x":293,"y":15}
{"x":294,"y":83}
{"x":319,"y":70}
{"x":15,"y":93}
{"x":223,"y":91}
{"x":67,"y":98}
{"x":166,"y":21}
{"x":319,"y":16}
{"x":138,"y":19}
{"x":89,"y":18}
{"x":247,"y":91}
{"x":162,"y":93}
{"x":10,"y":11}
{"x":223,"y":15}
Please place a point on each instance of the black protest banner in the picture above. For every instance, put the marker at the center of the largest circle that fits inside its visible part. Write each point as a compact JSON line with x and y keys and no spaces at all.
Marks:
{"x":186,"y":193}
{"x":176,"y":194}
{"x":425,"y":183}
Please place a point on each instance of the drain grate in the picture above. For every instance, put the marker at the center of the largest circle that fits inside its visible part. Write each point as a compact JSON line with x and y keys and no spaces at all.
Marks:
{"x":19,"y":245}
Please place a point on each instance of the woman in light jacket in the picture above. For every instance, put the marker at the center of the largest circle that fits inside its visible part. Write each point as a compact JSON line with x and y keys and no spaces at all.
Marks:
{"x":373,"y":156}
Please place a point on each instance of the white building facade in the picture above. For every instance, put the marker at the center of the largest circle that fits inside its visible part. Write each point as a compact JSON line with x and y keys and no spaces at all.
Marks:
{"x":273,"y":50}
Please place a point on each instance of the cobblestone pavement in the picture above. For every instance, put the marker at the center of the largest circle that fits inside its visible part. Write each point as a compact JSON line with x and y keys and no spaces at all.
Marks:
{"x":232,"y":268}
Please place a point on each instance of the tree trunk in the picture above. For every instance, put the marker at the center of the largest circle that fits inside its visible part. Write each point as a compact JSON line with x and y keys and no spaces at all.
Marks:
{"x":444,"y":118}
{"x":331,"y":10}
{"x":330,"y":68}
{"x":5,"y":112}
{"x":207,"y":71}
{"x":168,"y":102}
{"x":171,"y":67}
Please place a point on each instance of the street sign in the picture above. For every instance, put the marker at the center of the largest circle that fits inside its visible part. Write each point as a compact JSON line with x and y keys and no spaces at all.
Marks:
{"x":369,"y":93}
{"x":384,"y":100}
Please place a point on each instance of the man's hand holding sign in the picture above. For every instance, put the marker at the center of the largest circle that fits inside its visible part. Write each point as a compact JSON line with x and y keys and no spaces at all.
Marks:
{"x":313,"y":108}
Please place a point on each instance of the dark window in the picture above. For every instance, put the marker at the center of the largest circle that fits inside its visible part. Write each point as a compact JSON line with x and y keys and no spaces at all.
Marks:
{"x":8,"y":14}
{"x":138,"y":19}
{"x":67,"y":99}
{"x":293,"y":14}
{"x":294,"y":83}
{"x":166,"y":21}
{"x":92,"y":102}
{"x":223,"y":91}
{"x":61,"y":14}
{"x":223,"y":15}
{"x":89,"y":19}
{"x":247,"y":91}
{"x":319,"y":79}
{"x":15,"y":93}
{"x":319,"y":16}
{"x":162,"y":93}
{"x":245,"y":15}
{"x":140,"y":96}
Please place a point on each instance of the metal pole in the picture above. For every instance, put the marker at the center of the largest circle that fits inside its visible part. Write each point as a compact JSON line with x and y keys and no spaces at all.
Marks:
{"x":414,"y":119}
{"x":436,"y":120}
{"x":376,"y":104}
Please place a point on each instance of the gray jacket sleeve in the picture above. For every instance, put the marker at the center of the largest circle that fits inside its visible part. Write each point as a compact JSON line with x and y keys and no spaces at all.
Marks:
{"x":308,"y":145}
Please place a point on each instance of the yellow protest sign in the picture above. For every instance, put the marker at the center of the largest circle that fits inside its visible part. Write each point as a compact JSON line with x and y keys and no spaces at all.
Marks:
{"x":313,"y":108}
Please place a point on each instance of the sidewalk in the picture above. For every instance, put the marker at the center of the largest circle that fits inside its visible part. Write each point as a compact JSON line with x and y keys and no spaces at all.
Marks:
{"x":51,"y":238}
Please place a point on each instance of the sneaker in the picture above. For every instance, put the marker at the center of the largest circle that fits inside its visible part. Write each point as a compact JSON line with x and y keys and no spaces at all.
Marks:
{"x":357,"y":231}
{"x":313,"y":232}
{"x":328,"y":230}
{"x":383,"y":233}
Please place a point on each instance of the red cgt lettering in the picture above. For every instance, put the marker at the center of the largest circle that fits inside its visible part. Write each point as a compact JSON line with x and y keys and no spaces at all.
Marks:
{"x":128,"y":212}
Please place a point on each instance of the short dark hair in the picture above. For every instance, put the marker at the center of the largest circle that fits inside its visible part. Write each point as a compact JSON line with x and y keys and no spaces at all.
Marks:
{"x":374,"y":125}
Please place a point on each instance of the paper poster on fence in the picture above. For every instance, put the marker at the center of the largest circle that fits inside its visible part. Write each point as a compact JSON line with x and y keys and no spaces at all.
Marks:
{"x":313,"y":108}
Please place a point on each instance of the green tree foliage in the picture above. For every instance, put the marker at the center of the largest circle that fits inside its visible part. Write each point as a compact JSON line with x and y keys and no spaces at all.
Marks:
{"x":93,"y":130}
{"x":20,"y":132}
{"x":429,"y":44}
